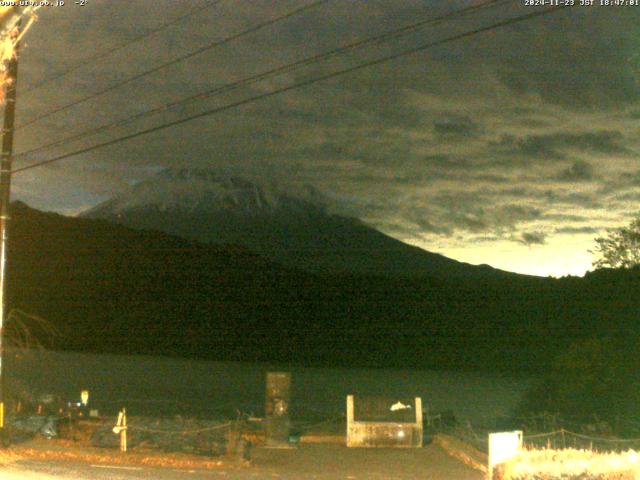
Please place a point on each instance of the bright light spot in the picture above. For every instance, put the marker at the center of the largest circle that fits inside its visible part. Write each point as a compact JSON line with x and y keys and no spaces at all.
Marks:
{"x":399,"y":406}
{"x":560,"y":255}
{"x":10,"y":36}
{"x":504,"y":446}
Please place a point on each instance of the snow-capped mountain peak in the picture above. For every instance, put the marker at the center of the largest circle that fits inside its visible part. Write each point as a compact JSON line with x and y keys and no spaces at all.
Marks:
{"x":207,"y":189}
{"x":288,"y":224}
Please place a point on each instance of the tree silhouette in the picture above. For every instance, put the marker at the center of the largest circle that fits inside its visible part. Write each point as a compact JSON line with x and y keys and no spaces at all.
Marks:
{"x":620,"y":247}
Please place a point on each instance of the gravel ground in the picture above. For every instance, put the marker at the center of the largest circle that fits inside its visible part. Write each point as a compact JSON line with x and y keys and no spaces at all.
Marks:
{"x":306,"y":462}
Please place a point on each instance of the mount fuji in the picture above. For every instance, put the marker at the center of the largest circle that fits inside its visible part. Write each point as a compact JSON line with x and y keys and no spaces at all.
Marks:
{"x":291,"y":227}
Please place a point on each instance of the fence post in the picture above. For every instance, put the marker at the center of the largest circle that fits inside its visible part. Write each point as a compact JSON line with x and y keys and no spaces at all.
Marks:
{"x":350,"y":420}
{"x":123,"y":432}
{"x":121,"y":429}
{"x":277,"y":399}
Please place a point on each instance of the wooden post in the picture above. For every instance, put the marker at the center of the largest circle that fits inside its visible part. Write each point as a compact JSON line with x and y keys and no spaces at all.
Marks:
{"x":123,"y":432}
{"x":350,"y":419}
{"x":6,"y":158}
{"x":419,"y":425}
{"x":121,"y":429}
{"x":277,"y":423}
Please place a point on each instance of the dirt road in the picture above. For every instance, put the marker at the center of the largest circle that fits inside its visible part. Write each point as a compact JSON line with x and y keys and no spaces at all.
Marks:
{"x":322,"y":462}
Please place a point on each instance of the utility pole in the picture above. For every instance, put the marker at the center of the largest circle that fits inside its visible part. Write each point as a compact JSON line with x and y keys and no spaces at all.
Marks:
{"x":6,"y":157}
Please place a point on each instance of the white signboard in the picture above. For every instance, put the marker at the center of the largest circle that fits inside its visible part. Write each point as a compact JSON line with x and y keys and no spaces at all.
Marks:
{"x":503,"y":447}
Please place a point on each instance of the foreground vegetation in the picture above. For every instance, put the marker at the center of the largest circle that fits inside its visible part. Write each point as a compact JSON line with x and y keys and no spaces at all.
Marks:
{"x":595,"y":380}
{"x":110,"y":289}
{"x":570,"y":464}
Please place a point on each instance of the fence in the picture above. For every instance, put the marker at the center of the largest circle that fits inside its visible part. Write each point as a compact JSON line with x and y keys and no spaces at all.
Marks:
{"x":202,"y":437}
{"x":564,"y":433}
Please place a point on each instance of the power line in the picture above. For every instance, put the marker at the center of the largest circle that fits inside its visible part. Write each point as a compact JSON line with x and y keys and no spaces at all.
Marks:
{"x":296,"y":86}
{"x":272,"y":72}
{"x":175,"y":61}
{"x":304,"y":83}
{"x":100,"y":55}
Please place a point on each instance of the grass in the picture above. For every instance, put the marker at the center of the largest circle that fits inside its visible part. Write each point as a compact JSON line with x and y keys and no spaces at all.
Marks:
{"x":567,"y":464}
{"x":67,"y":450}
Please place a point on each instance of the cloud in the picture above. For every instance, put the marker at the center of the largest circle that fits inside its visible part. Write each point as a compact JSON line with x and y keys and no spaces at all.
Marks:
{"x":426,"y":226}
{"x":573,"y":230}
{"x":537,"y":146}
{"x":446,"y":162}
{"x":452,"y":128}
{"x":630,"y":178}
{"x":449,"y":214}
{"x":575,"y":75}
{"x":478,"y":239}
{"x":474,"y":139}
{"x":531,"y":238}
{"x":565,"y":217}
{"x":557,"y":146}
{"x":579,"y":171}
{"x":511,"y":215}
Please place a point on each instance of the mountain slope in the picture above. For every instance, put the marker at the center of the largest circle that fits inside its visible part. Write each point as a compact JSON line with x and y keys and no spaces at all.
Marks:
{"x":109,"y":288}
{"x":291,"y":228}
